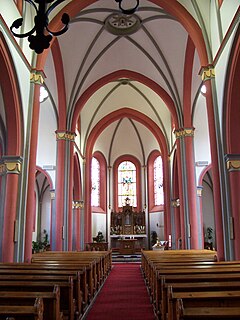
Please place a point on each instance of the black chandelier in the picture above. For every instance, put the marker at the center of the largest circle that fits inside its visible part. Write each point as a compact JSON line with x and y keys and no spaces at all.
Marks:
{"x":44,"y":35}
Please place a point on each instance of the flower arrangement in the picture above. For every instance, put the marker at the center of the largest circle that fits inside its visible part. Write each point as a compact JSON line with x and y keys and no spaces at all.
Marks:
{"x":41,"y":245}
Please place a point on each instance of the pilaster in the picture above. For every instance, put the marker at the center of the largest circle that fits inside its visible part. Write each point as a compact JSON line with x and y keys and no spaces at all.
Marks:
{"x":10,"y":170}
{"x":233,"y":170}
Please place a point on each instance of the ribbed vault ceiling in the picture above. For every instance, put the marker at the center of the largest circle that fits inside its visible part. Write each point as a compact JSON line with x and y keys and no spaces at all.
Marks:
{"x":102,"y":41}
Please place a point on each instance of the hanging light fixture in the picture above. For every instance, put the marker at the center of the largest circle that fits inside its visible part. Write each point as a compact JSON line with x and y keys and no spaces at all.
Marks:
{"x":44,"y":35}
{"x":127,"y":11}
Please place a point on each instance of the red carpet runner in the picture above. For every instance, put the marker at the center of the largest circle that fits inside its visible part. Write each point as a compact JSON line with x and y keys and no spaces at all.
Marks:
{"x":124,"y":296}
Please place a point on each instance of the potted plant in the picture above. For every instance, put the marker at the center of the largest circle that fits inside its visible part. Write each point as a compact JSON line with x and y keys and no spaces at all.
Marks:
{"x":209,"y":238}
{"x":42,"y":244}
{"x":154,"y":238}
{"x":100,"y":237}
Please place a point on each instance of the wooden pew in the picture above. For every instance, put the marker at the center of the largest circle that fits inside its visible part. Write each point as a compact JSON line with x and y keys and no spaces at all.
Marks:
{"x":79,"y":278}
{"x":183,"y":266}
{"x":23,"y":312}
{"x":189,"y":275}
{"x":88,"y":266}
{"x":40,"y":285}
{"x":178,"y":290}
{"x":51,"y":301}
{"x":204,"y":305}
{"x":101,"y":262}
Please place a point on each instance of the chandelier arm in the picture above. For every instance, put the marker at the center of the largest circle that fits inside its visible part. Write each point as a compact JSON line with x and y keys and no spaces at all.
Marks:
{"x":127,"y":11}
{"x":33,"y":4}
{"x":24,"y":34}
{"x":53,"y":6}
{"x":58,"y":33}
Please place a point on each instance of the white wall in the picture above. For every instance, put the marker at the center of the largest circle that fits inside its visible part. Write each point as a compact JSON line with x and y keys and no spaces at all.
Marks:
{"x":99,"y":224}
{"x":154,"y":219}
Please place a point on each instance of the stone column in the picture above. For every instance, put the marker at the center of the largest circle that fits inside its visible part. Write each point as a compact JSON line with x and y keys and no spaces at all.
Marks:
{"x":199,"y":209}
{"x":192,"y":226}
{"x":10,"y":170}
{"x":53,"y":211}
{"x":221,"y":207}
{"x":233,"y":168}
{"x":36,"y":79}
{"x":64,"y":190}
{"x":77,"y":206}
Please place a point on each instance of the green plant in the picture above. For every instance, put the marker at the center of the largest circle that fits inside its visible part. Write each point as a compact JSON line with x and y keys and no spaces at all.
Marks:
{"x":99,"y":237}
{"x":154,"y":238}
{"x":209,"y":234}
{"x":42,"y":244}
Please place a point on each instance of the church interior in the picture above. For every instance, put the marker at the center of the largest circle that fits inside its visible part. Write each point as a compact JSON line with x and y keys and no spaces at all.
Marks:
{"x":119,"y":124}
{"x":120,"y":91}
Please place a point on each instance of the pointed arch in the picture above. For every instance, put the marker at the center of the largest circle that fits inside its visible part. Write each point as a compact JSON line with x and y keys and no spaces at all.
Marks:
{"x":103,"y":183}
{"x":96,"y":131}
{"x":123,"y":74}
{"x":12,"y":101}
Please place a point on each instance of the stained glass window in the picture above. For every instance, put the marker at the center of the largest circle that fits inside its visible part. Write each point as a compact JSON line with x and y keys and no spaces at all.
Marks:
{"x":127,"y":186}
{"x":95,"y":176}
{"x":158,"y":181}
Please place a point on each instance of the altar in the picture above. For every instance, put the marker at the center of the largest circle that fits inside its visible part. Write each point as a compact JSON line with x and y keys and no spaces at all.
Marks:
{"x":127,"y":246}
{"x":128,"y":230}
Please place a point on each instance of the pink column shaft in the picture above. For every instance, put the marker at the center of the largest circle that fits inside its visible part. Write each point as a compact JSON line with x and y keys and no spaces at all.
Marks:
{"x":191,"y":191}
{"x":234,"y":177}
{"x":215,"y":172}
{"x":31,"y":203}
{"x":60,"y":193}
{"x":10,"y":217}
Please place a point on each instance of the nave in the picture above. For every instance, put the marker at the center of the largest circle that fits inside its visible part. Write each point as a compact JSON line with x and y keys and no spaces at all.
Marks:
{"x":86,"y":285}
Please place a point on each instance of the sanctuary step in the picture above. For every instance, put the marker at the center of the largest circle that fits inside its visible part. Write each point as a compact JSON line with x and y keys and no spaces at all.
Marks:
{"x":125,"y":258}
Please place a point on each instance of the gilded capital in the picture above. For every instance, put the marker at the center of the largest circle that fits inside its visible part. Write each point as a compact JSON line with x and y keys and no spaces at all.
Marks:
{"x":52,"y":194}
{"x":78,"y":204}
{"x":10,"y":164}
{"x":37,"y":76}
{"x":207,"y":73}
{"x":184,"y":132}
{"x":66,"y":135}
{"x":199,"y":191}
{"x":233,"y":162}
{"x":175,"y":203}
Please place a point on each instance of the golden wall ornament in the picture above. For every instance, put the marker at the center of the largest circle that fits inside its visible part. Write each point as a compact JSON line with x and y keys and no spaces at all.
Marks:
{"x":52,"y":194}
{"x":233,"y":165}
{"x":10,"y":164}
{"x":37,"y":76}
{"x":232,"y":162}
{"x":184,"y":132}
{"x":78,"y":204}
{"x":207,"y":73}
{"x":175,"y":203}
{"x":199,"y":191}
{"x":65,"y":135}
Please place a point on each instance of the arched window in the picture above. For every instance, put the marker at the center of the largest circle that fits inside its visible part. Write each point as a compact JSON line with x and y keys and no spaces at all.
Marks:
{"x":95,"y":173}
{"x":127,"y":182}
{"x":99,"y":183}
{"x":127,"y":186}
{"x":155,"y":182}
{"x":158,"y":181}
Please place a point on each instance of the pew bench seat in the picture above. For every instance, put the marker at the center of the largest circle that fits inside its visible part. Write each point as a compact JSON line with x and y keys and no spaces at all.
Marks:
{"x":34,"y":312}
